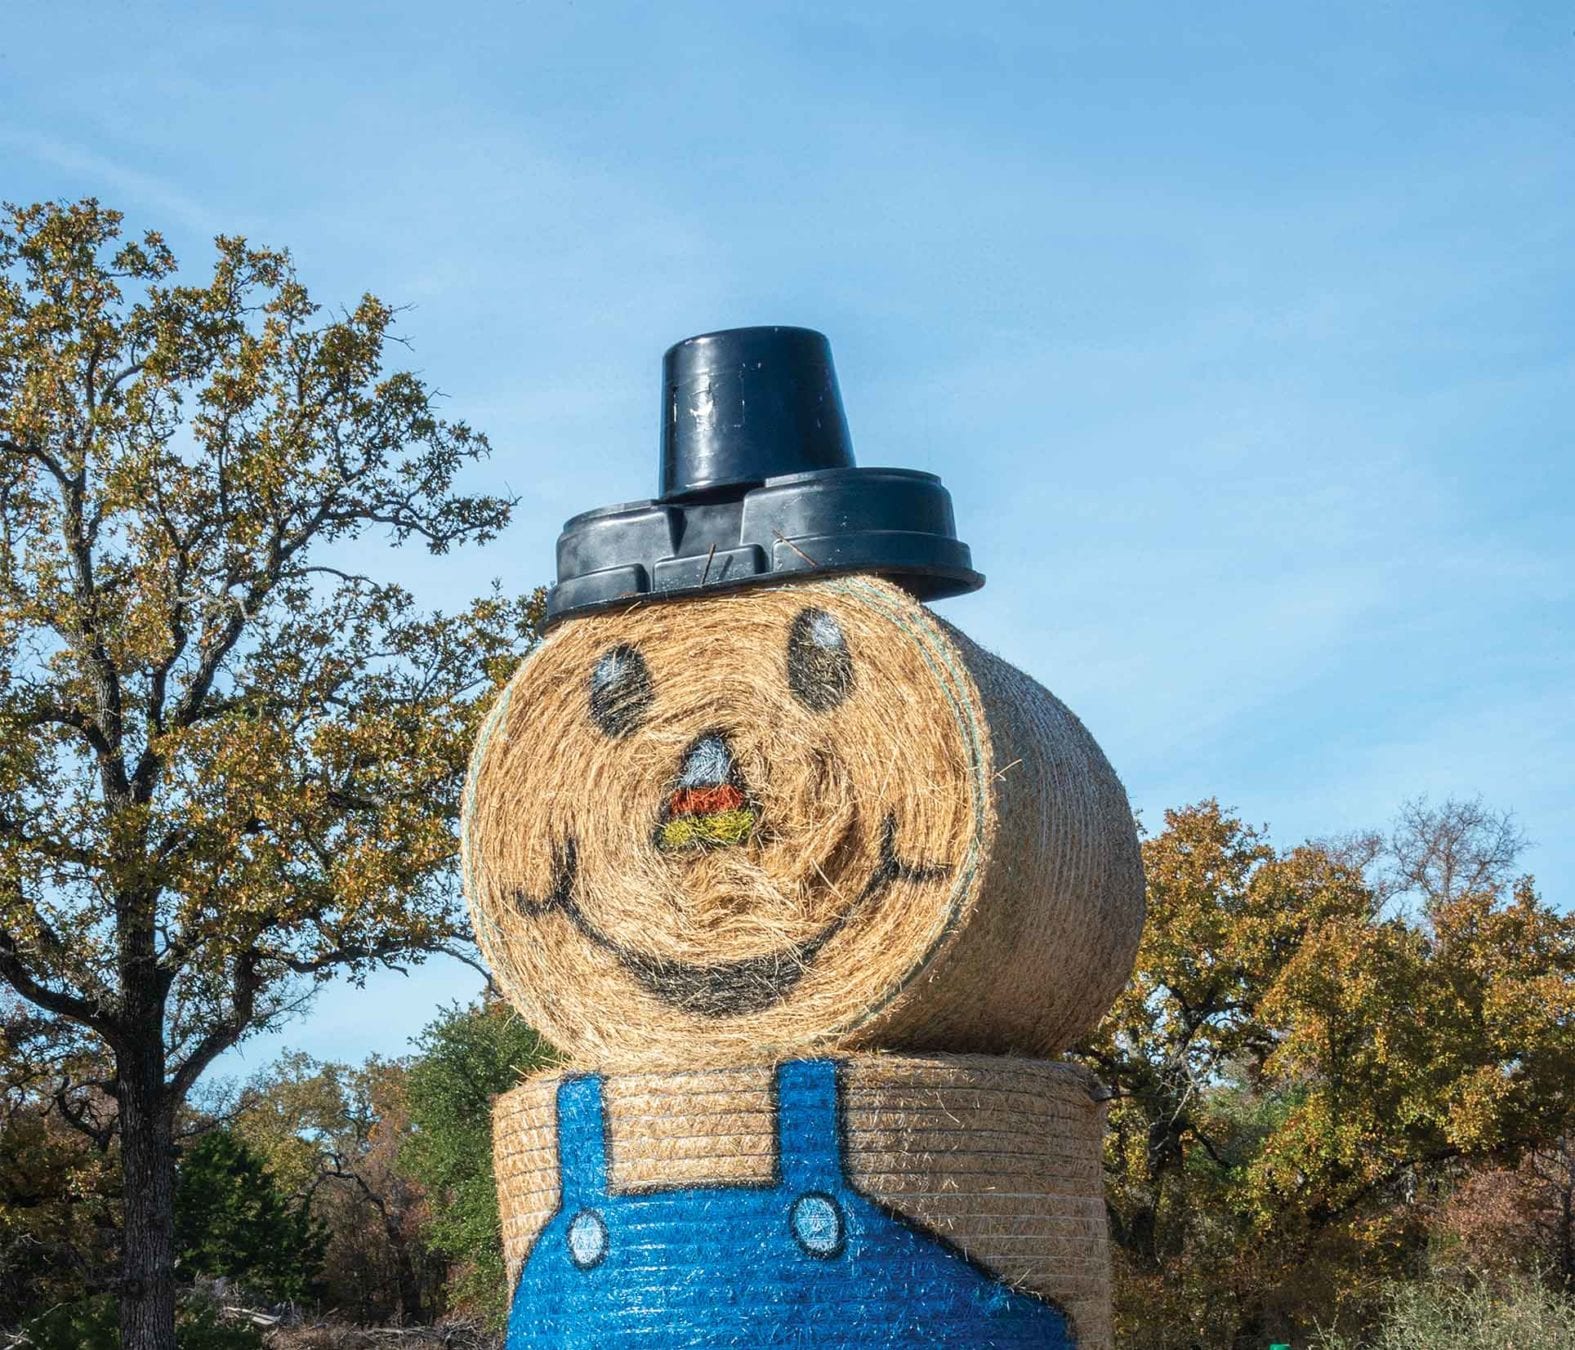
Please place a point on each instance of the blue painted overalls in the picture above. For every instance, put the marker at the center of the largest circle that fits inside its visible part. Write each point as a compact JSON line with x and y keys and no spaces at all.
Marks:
{"x":803,"y":1261}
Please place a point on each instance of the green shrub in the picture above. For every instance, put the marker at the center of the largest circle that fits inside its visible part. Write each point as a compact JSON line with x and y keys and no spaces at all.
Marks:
{"x":89,"y":1324}
{"x":231,"y":1220}
{"x":1516,"y":1314}
{"x":464,"y":1059}
{"x":92,"y":1324}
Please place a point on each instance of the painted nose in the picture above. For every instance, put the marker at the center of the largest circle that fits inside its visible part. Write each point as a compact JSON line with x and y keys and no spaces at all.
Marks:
{"x":707,"y":763}
{"x":708,"y":807}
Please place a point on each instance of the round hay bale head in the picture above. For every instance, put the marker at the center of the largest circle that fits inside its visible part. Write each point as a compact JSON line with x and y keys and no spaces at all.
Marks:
{"x":739,"y":828}
{"x":993,"y":1164}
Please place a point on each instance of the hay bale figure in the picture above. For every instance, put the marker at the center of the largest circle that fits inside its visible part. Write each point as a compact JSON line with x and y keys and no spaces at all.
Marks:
{"x":733,"y":830}
{"x":995,"y":1162}
{"x":774,"y":820}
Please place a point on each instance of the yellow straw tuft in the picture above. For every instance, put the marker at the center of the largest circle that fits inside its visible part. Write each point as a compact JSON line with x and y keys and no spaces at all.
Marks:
{"x":713,"y":827}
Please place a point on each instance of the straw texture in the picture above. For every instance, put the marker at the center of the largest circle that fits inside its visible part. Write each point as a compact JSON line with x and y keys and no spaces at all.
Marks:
{"x":742,"y":827}
{"x":999,"y":1157}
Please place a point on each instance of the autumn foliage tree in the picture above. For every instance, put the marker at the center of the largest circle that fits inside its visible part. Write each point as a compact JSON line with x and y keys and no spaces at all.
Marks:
{"x":333,"y":1136}
{"x":1315,"y":1043}
{"x":230,"y":756}
{"x":57,"y":1183}
{"x":1502,"y":1220}
{"x":394,"y":1159}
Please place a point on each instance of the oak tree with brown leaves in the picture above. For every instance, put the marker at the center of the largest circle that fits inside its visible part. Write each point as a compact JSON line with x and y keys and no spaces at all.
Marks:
{"x":1314,"y":1043}
{"x":230,"y":758}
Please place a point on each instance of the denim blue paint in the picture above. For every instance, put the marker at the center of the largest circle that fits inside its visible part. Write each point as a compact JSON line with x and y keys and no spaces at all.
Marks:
{"x":806,"y":1261}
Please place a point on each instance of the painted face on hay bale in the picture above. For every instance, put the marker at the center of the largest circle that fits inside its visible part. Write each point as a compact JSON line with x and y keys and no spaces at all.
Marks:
{"x":749,"y":824}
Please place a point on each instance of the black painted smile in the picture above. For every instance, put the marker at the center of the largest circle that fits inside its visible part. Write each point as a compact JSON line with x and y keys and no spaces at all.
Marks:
{"x":726,"y":988}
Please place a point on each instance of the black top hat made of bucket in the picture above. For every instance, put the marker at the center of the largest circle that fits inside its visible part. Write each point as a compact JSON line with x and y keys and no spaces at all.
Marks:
{"x":758,"y":484}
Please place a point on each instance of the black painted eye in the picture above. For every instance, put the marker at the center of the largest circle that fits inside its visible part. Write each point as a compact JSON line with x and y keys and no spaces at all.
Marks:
{"x":819,"y":664}
{"x":621,"y":693}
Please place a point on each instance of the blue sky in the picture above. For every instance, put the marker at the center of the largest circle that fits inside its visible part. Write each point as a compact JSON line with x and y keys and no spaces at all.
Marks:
{"x":1241,"y":333}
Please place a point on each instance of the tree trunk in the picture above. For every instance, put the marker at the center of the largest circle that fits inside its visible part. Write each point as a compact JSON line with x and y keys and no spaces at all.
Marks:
{"x":407,"y":1280}
{"x":147,"y":1290}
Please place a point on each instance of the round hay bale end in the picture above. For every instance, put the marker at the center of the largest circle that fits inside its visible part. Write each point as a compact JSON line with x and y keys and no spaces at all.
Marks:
{"x":738,"y":828}
{"x":995,"y":1161}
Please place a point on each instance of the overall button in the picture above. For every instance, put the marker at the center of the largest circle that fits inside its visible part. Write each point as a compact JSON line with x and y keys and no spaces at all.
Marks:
{"x":587,"y":1239}
{"x":817,"y":1224}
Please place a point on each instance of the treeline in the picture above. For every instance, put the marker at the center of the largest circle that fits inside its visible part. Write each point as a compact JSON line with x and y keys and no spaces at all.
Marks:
{"x":1338,"y":1067}
{"x":359,"y":1193}
{"x":1342,"y":1092}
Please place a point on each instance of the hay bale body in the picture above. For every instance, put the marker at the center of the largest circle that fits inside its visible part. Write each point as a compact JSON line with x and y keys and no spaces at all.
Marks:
{"x":998,"y":1158}
{"x":742,"y":827}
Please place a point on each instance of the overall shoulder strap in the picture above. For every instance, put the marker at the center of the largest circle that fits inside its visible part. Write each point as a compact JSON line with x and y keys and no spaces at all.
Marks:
{"x":582,"y":1140}
{"x":809,"y":1125}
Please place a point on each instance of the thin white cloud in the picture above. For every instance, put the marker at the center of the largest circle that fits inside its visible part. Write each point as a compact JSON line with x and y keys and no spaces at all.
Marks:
{"x":87,"y":173}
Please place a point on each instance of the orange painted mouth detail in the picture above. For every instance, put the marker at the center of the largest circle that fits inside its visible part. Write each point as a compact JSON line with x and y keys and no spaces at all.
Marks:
{"x":703,"y":801}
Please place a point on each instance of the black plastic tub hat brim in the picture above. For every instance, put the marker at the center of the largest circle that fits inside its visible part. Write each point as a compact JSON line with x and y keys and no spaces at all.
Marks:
{"x":759,"y":485}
